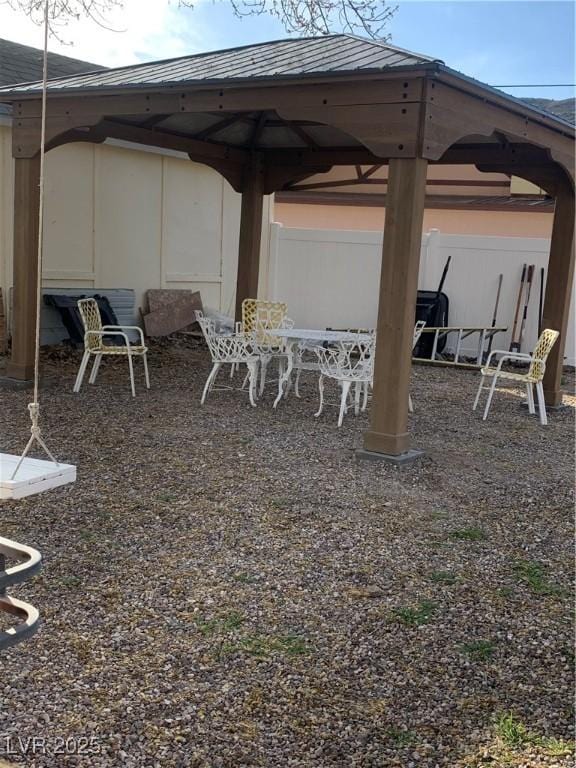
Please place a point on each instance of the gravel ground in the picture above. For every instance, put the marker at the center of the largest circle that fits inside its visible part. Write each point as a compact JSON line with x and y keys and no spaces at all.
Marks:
{"x":225,"y":586}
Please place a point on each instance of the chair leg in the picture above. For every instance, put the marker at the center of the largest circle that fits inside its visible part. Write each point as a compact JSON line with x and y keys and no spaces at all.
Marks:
{"x":541,"y":403}
{"x":253,"y":373}
{"x":480,"y":386}
{"x":357,"y":393}
{"x":297,"y":383}
{"x":343,"y":401}
{"x":81,"y":372}
{"x":492,"y":388}
{"x":264,"y":360}
{"x":530,"y":398}
{"x":146,"y":374}
{"x":95,"y":368}
{"x":131,"y":369}
{"x":410,"y":404}
{"x":321,"y":391}
{"x":209,"y":381}
{"x":365,"y":395}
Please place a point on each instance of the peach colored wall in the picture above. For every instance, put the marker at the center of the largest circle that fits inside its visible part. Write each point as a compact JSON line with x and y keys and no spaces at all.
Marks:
{"x":505,"y":223}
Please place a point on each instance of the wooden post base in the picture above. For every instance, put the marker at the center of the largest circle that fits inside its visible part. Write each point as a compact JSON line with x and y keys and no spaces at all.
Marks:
{"x":393,"y":445}
{"x":19,"y":371}
{"x":398,"y":460}
{"x":553,"y":400}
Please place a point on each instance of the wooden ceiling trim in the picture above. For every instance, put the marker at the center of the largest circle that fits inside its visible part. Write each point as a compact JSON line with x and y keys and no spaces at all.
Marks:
{"x":168,"y":140}
{"x":259,"y":97}
{"x":451,"y":114}
{"x":219,"y":126}
{"x":257,"y":130}
{"x":356,"y":182}
{"x":449,"y":202}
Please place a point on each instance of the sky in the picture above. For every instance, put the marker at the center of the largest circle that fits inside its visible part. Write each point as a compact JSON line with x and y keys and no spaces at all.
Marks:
{"x":501,"y":43}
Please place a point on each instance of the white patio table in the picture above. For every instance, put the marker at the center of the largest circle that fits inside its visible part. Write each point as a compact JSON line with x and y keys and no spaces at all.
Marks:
{"x":294,"y":336}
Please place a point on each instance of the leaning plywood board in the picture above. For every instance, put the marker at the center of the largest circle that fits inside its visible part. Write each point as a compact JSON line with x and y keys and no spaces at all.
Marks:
{"x":34,"y":476}
{"x":158,"y":298}
{"x":176,"y":316}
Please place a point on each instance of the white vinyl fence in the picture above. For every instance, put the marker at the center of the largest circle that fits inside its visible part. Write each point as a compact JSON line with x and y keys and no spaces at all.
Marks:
{"x":331,"y":278}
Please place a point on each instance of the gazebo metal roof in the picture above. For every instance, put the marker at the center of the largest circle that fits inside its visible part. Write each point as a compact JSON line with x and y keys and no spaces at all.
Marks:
{"x":306,"y":56}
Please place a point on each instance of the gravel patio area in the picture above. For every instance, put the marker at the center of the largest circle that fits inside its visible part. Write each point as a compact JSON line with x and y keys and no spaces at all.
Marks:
{"x":226,"y":587}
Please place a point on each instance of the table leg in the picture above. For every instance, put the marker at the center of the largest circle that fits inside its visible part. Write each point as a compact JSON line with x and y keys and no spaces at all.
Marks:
{"x":285,"y":377}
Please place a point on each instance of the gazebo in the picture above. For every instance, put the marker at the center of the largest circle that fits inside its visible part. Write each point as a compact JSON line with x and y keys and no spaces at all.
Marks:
{"x":267,"y":115}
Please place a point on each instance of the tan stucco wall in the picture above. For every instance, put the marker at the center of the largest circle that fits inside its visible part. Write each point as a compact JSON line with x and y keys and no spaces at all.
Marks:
{"x":505,"y":223}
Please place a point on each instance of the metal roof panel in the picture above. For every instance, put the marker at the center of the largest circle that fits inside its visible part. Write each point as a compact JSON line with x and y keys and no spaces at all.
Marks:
{"x":282,"y":58}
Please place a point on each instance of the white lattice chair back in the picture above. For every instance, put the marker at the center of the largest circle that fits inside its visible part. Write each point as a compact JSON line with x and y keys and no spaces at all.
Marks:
{"x":258,"y":316}
{"x":223,"y":349}
{"x":92,"y":321}
{"x":540,"y":354}
{"x":352,"y":361}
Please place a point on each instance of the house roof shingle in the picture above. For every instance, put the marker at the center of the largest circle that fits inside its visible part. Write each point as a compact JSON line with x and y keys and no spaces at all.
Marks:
{"x":23,"y":64}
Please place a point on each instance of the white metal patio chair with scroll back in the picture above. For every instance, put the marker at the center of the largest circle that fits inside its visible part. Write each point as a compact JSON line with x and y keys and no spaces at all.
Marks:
{"x":233,"y":349}
{"x":94,"y":346}
{"x":533,"y":378}
{"x":418,"y":328}
{"x":347,"y":363}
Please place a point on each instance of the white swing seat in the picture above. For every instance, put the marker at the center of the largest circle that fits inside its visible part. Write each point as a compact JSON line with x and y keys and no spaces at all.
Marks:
{"x":34,"y":476}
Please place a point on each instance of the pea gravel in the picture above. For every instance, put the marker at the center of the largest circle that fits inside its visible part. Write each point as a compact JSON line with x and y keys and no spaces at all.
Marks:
{"x":226,"y":587}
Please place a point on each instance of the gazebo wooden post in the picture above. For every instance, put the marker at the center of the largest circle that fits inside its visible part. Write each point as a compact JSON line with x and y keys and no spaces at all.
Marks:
{"x":250,"y":233}
{"x":559,"y":288}
{"x":26,"y":209}
{"x":388,"y":434}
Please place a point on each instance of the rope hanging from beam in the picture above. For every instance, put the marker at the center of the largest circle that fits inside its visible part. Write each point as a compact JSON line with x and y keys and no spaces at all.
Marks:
{"x":34,"y":406}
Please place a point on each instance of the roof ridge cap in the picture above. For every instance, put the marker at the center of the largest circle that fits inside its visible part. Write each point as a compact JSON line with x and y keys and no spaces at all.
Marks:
{"x":384,"y":44}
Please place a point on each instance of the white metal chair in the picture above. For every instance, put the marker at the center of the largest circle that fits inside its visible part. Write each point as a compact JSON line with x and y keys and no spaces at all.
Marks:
{"x":305,"y":359}
{"x":94,"y":333}
{"x":534,"y":376}
{"x":350,"y":363}
{"x":234,"y":349}
{"x":418,"y":328}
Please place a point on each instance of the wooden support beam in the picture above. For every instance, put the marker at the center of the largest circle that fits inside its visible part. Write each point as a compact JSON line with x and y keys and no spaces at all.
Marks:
{"x":218,"y":126}
{"x":250,"y":233}
{"x":559,"y":288}
{"x":26,"y":209}
{"x":168,"y":140}
{"x":388,"y":432}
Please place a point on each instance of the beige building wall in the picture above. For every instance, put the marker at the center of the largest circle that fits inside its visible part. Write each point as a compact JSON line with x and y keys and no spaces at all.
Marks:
{"x":462,"y":222}
{"x":119,"y":216}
